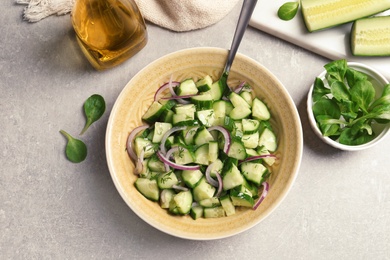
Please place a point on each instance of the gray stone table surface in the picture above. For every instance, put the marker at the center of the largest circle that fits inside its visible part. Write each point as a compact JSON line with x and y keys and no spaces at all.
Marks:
{"x":50,"y":208}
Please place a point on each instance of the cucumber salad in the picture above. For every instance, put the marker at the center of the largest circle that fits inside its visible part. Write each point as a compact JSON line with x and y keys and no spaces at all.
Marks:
{"x":205,"y":149}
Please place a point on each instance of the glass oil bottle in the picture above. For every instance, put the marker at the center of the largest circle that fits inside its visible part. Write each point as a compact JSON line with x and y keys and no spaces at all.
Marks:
{"x":108,"y":31}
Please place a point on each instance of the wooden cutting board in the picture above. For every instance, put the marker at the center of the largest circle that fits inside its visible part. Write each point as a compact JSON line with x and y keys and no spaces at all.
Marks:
{"x":331,"y":43}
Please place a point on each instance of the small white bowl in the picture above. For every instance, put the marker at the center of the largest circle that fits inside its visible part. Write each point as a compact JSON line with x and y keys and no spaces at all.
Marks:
{"x":378,"y":81}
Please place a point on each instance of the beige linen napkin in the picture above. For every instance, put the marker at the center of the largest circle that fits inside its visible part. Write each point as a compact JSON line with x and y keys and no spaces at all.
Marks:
{"x":176,"y":15}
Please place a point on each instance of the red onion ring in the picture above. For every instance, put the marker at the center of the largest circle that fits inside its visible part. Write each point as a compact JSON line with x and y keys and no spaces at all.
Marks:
{"x":175,"y":165}
{"x":167,"y":134}
{"x":220,"y":184}
{"x":130,"y":141}
{"x":208,"y":176}
{"x":263,"y":195}
{"x":172,"y":84}
{"x":225,"y":134}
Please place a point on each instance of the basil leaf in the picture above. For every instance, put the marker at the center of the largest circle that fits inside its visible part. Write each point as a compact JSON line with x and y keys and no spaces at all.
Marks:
{"x":76,"y":150}
{"x":288,"y":10}
{"x":94,"y":108}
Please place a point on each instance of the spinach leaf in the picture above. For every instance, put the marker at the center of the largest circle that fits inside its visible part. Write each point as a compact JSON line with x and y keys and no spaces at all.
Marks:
{"x":94,"y":108}
{"x":288,"y":10}
{"x":336,"y":70}
{"x":319,"y":89}
{"x":76,"y":150}
{"x":340,"y":91}
{"x":363,"y":93}
{"x":353,"y":76}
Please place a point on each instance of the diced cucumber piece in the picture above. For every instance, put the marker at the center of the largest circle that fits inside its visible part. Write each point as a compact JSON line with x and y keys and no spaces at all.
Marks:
{"x":186,"y":109}
{"x":247,"y":96}
{"x":371,"y":36}
{"x":237,"y":100}
{"x":241,"y":199}
{"x":260,"y":110}
{"x":227,"y":205}
{"x":320,"y":14}
{"x":250,"y":126}
{"x":268,"y":160}
{"x":154,"y":164}
{"x":250,"y":188}
{"x":240,"y":113}
{"x":143,"y":144}
{"x":166,"y":116}
{"x":191,"y":177}
{"x":148,"y":188}
{"x":181,"y":202}
{"x":237,"y":149}
{"x":183,"y":155}
{"x":210,"y":203}
{"x":160,"y":128}
{"x":202,"y":154}
{"x":203,"y":190}
{"x":166,"y":197}
{"x":202,"y":136}
{"x":189,"y":135}
{"x":217,"y":90}
{"x":182,"y":119}
{"x":204,"y":84}
{"x":203,"y":101}
{"x":153,"y":113}
{"x":213,"y":151}
{"x":222,"y":108}
{"x":216,"y":212}
{"x":196,"y":212}
{"x":268,"y":140}
{"x":250,"y":140}
{"x":167,"y":180}
{"x":253,"y":172}
{"x":251,"y":152}
{"x":187,"y":87}
{"x":206,"y":117}
{"x":232,"y":178}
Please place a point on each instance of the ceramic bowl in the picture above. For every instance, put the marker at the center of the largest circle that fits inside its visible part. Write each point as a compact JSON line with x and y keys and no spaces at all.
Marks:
{"x":378,"y":81}
{"x":137,"y":96}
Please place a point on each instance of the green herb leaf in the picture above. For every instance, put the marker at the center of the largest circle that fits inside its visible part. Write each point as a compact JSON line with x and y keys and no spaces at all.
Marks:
{"x":76,"y":150}
{"x":363,"y":93}
{"x":319,"y":89}
{"x":288,"y":10}
{"x":340,"y":91}
{"x":336,"y":70}
{"x":354,"y":76}
{"x":348,"y":138}
{"x":94,"y":108}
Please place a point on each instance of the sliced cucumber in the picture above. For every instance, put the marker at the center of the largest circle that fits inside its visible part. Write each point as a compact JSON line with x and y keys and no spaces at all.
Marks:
{"x":260,"y":110}
{"x":237,"y":100}
{"x":250,"y":126}
{"x":371,"y":36}
{"x":268,"y":140}
{"x":191,"y":177}
{"x":251,"y":140}
{"x":206,"y":117}
{"x":187,"y":87}
{"x":240,"y":112}
{"x":232,"y":178}
{"x":320,"y":14}
{"x":237,"y":149}
{"x":196,"y":212}
{"x":216,"y":212}
{"x":148,"y":188}
{"x":166,"y":197}
{"x":202,"y":154}
{"x":202,"y":136}
{"x":241,"y":199}
{"x":153,"y":113}
{"x":210,"y":203}
{"x":204,"y":84}
{"x":167,"y":180}
{"x":253,"y":172}
{"x":181,"y":203}
{"x":203,"y":190}
{"x":160,"y":128}
{"x":203,"y":101}
{"x":227,"y":205}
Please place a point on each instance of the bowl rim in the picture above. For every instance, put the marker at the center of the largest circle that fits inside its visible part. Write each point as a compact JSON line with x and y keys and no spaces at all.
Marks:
{"x":372,"y":73}
{"x":289,"y":183}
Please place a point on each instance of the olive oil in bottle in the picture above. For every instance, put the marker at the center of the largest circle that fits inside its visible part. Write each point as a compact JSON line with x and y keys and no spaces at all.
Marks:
{"x":108,"y":31}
